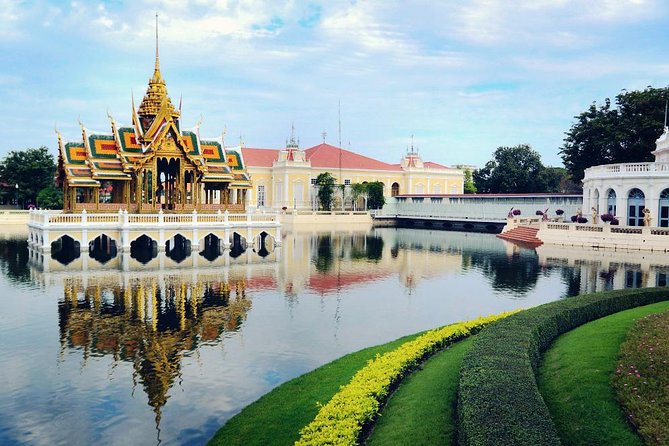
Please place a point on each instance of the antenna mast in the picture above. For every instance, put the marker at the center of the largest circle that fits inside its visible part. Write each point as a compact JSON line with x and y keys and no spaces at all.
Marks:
{"x":666,"y":103}
{"x":340,"y":178}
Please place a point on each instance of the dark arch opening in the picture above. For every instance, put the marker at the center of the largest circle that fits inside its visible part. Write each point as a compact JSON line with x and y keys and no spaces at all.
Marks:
{"x":211,"y":247}
{"x":102,"y":248}
{"x":238,"y":245}
{"x":143,"y":249}
{"x":263,"y":251}
{"x":65,"y":250}
{"x":178,"y":248}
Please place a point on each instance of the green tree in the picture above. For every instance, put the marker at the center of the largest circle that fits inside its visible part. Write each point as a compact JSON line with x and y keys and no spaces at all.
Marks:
{"x":468,"y":187}
{"x":32,"y":169}
{"x":557,"y":179}
{"x":326,"y":184}
{"x":622,"y":133}
{"x":358,"y":190}
{"x":515,"y":169}
{"x":50,"y":198}
{"x":375,"y":198}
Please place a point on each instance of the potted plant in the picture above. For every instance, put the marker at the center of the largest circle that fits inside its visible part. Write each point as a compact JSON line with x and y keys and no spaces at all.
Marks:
{"x":539,"y":213}
{"x":607,"y":218}
{"x":582,"y":220}
{"x":574,"y":218}
{"x":516,"y":212}
{"x":615,"y":222}
{"x":559,"y":212}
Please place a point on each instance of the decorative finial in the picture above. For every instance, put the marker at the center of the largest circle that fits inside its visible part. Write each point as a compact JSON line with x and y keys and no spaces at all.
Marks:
{"x":324,"y":134}
{"x":225,"y":130}
{"x":157,"y":62}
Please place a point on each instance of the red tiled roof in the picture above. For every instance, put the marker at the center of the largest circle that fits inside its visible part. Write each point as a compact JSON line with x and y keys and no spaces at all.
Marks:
{"x":325,"y":155}
{"x":433,"y":165}
{"x":259,"y":157}
{"x":328,"y":283}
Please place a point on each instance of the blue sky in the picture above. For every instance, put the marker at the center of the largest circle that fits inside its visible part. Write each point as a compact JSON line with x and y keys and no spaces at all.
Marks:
{"x":463,"y":77}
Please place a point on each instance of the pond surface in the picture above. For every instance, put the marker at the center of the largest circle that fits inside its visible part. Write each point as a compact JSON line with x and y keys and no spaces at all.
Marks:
{"x":164,"y":351}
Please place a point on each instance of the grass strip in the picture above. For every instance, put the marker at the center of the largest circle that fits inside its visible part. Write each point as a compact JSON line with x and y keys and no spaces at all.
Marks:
{"x":277,"y":417}
{"x":641,"y":379}
{"x":575,"y":380}
{"x":357,"y":404}
{"x":498,"y":398}
{"x":422,"y":409}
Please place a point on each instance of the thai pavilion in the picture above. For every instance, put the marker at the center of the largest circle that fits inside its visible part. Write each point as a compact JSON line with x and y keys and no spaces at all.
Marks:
{"x":151,"y":165}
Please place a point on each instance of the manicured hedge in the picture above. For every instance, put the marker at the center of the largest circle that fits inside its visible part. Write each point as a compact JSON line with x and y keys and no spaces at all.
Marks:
{"x":342,"y":419}
{"x":499,"y":402}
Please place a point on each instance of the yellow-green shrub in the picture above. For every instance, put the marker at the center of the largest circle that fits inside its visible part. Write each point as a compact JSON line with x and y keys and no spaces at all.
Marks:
{"x":340,"y":421}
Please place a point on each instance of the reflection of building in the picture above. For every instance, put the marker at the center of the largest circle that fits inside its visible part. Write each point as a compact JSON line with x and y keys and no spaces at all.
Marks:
{"x":625,"y":190}
{"x":149,"y":322}
{"x":331,"y":262}
{"x":602,"y":269}
{"x":287,"y":177}
{"x":151,"y":164}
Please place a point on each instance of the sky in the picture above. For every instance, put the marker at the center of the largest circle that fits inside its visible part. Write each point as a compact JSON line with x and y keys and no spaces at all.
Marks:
{"x":456,"y":79}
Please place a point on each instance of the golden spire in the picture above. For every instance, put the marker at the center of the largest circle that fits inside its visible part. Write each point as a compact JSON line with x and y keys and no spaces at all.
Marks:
{"x":157,"y":90}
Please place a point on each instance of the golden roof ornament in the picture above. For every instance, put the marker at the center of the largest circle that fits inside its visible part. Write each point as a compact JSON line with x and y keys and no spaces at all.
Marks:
{"x":157,"y":90}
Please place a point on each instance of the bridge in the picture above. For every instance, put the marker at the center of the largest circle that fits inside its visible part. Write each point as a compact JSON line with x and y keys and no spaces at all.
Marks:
{"x":471,"y":212}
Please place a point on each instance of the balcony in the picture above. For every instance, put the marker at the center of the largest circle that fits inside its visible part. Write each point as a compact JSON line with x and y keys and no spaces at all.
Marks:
{"x":627,"y":170}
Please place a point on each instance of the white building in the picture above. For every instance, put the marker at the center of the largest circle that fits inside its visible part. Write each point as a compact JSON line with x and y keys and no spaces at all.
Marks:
{"x":625,"y":190}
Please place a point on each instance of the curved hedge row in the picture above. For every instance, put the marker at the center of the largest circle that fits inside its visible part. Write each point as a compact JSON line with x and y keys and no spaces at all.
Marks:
{"x":499,"y":402}
{"x":342,"y":419}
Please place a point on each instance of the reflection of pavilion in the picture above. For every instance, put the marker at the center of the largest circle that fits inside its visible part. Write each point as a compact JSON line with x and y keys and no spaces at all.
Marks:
{"x":150,"y":321}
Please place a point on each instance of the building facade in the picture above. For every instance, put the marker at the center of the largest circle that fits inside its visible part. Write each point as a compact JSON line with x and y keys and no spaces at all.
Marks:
{"x":286,"y":178}
{"x":151,"y":165}
{"x":631,"y":191}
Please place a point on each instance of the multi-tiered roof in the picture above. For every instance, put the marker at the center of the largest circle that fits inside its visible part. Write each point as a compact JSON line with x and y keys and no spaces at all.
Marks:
{"x":155,"y":125}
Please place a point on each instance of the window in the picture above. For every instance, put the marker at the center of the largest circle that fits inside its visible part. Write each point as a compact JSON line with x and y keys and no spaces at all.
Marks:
{"x":347,"y":182}
{"x":635,"y":205}
{"x":663,"y":213}
{"x":611,"y":202}
{"x":394,"y":190}
{"x":261,"y":195}
{"x":313,"y":181}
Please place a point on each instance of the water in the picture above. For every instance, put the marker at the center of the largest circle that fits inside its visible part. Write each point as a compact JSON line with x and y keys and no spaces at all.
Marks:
{"x":166,"y":352}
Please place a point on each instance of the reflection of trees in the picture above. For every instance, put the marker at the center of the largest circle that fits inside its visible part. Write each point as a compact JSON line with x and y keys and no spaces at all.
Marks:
{"x":324,"y":256}
{"x":354,"y":247}
{"x":572,"y":277}
{"x":149,"y":326}
{"x":367,"y":247}
{"x":14,"y":259}
{"x":517,"y":272}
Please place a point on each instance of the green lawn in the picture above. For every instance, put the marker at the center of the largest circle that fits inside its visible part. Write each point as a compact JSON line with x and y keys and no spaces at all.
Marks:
{"x":574,"y":380}
{"x":276,"y":418}
{"x":422,"y":410}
